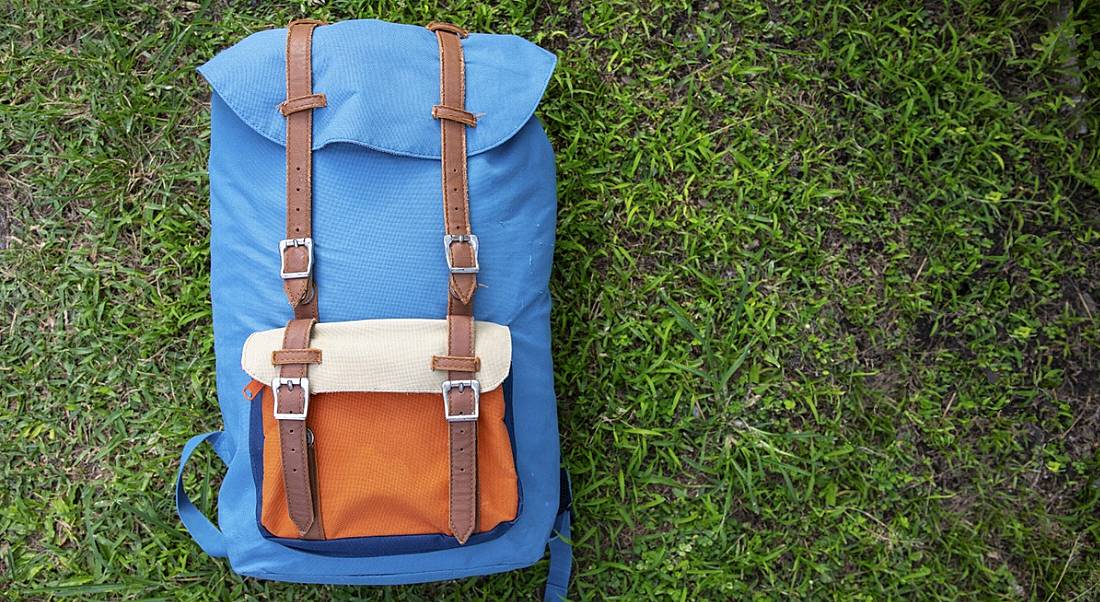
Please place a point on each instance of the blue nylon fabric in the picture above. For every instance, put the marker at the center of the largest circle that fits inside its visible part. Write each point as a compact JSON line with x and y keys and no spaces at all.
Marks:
{"x":379,"y":78}
{"x":377,"y":228}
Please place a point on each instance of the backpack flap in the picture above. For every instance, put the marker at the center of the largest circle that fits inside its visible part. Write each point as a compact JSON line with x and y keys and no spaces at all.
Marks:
{"x":381,"y":81}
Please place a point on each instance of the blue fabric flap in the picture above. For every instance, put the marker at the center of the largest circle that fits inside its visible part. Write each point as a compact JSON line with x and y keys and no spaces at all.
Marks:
{"x":381,"y":80}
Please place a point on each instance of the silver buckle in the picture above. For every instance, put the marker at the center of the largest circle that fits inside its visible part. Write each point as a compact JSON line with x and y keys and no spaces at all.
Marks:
{"x":295,"y":242}
{"x":277,"y":383}
{"x":461,"y":386}
{"x":448,"y":240}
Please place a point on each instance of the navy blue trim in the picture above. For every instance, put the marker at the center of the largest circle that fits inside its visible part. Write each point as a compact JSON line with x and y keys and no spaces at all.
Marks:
{"x":256,"y":452}
{"x":565,"y":492}
{"x":382,"y":545}
{"x":385,"y":545}
{"x":509,"y":420}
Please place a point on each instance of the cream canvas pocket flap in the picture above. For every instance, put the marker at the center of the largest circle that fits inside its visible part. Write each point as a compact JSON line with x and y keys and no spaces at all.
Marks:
{"x":382,"y":355}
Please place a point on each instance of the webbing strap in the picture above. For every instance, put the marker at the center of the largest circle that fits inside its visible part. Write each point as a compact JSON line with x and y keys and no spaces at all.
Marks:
{"x":560,"y":544}
{"x":204,"y":532}
{"x":461,"y":249}
{"x":561,"y":560}
{"x":291,"y":389}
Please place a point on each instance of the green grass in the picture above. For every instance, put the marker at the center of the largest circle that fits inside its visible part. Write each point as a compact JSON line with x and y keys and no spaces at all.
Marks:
{"x":826,"y":296}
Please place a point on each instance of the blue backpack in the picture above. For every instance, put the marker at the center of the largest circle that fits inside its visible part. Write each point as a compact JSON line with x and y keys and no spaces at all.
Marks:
{"x":382,"y":228}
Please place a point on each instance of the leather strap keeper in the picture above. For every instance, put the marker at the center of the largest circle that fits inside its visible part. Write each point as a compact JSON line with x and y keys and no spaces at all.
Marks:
{"x":437,"y":26}
{"x":302,"y":103}
{"x":456,"y":363}
{"x":280,"y":357}
{"x":465,"y":117}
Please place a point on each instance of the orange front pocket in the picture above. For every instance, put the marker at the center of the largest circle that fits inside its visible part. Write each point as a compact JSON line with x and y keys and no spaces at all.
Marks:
{"x":382,"y":465}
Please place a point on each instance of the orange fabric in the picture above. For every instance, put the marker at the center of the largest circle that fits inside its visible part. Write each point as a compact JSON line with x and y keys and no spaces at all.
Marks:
{"x":382,"y":465}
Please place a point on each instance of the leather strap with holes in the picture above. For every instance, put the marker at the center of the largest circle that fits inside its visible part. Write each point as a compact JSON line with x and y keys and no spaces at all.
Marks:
{"x":298,"y":109}
{"x":454,"y":119}
{"x":294,"y":444}
{"x":296,"y":356}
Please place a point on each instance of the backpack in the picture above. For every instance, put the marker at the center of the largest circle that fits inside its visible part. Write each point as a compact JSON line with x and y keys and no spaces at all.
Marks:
{"x":382,"y":228}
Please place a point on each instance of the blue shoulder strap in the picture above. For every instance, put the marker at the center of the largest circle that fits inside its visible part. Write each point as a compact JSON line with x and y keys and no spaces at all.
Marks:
{"x":209,"y":538}
{"x":561,"y":546}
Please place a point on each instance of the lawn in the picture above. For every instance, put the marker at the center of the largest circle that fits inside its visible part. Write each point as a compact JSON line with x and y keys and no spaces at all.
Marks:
{"x":826,"y":297}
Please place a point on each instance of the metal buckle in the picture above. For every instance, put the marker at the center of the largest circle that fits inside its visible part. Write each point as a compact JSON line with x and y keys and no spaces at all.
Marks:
{"x":448,"y":240}
{"x":295,"y":242}
{"x":461,"y":386}
{"x":277,"y":383}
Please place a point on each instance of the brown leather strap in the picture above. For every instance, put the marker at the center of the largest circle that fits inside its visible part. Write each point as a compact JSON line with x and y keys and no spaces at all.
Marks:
{"x":292,"y":388}
{"x":461,"y":401}
{"x":297,"y":251}
{"x":291,"y":397}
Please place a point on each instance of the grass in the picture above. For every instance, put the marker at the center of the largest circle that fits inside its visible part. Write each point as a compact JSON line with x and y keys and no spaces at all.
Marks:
{"x":825,"y":322}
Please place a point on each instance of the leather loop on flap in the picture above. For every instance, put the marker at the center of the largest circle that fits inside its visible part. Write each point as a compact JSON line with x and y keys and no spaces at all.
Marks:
{"x":456,"y":363}
{"x":303,"y":103}
{"x":466,"y":117}
{"x":280,"y":357}
{"x":448,"y":27}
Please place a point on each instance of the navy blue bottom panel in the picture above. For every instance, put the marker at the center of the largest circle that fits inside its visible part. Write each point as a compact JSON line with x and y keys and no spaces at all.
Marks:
{"x":387,"y":545}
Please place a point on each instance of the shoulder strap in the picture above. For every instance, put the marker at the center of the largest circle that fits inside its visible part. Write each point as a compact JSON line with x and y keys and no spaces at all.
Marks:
{"x":291,"y":388}
{"x":461,"y":390}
